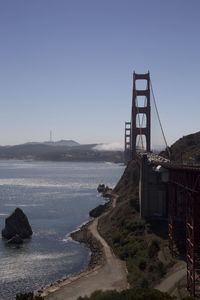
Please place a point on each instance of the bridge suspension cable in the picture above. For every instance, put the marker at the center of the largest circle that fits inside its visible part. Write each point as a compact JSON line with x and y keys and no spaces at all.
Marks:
{"x":159,"y":120}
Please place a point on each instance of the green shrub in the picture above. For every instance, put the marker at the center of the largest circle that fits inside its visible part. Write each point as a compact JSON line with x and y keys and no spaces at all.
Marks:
{"x":134,"y":203}
{"x":116,"y":238}
{"x":142,"y":264}
{"x":135,"y":225}
{"x":28,"y":296}
{"x":161,"y":268}
{"x":153,"y":248}
{"x":131,"y":294}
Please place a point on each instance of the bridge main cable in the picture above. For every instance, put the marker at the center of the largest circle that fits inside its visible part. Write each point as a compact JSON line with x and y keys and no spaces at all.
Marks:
{"x":159,"y":120}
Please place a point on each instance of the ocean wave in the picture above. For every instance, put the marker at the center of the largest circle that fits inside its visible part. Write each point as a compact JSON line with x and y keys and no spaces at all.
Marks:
{"x":22,"y":205}
{"x":33,"y":182}
{"x":47,"y":232}
{"x":3,"y":214}
{"x":51,"y":256}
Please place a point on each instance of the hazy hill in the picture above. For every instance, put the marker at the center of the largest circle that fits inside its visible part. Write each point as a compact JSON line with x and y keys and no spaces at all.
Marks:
{"x":67,"y":143}
{"x":59,"y":151}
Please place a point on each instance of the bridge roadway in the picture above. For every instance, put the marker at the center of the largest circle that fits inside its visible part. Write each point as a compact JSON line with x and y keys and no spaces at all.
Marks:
{"x":183,"y":209}
{"x":156,"y":159}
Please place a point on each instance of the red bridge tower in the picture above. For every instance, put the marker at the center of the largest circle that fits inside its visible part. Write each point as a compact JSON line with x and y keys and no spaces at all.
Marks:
{"x":139,"y":114}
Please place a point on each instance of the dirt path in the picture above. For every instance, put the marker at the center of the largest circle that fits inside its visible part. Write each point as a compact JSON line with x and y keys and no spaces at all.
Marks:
{"x":111,"y":275}
{"x":170,"y":282}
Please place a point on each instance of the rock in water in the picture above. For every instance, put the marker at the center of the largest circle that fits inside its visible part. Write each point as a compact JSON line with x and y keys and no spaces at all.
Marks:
{"x":15,"y":240}
{"x":17,"y":224}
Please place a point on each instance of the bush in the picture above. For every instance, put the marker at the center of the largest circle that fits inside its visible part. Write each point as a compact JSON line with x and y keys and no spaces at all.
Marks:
{"x":28,"y":296}
{"x":153,"y":248}
{"x":136,"y":226}
{"x":142,"y":264}
{"x":134,"y":203}
{"x":99,"y":210}
{"x":161,"y":268}
{"x":116,"y":238}
{"x":131,"y":294}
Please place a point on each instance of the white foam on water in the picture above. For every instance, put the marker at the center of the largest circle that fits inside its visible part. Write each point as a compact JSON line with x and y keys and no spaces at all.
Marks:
{"x":51,"y":256}
{"x":45,"y":232}
{"x":67,"y":239}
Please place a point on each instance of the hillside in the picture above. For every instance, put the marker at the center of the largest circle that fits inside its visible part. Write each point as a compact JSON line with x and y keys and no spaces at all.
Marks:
{"x":186,"y":148}
{"x":131,"y":237}
{"x":68,"y":143}
{"x":143,"y":246}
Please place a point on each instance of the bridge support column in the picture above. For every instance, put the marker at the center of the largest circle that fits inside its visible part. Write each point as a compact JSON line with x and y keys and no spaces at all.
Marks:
{"x":193,"y":243}
{"x":127,"y":143}
{"x":171,"y":216}
{"x":143,"y":187}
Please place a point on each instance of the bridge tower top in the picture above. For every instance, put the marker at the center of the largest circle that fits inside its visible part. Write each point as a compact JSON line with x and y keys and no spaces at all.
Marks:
{"x":141,"y":115}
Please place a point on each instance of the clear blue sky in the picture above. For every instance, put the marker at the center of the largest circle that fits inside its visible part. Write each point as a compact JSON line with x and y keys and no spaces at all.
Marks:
{"x":67,"y":65}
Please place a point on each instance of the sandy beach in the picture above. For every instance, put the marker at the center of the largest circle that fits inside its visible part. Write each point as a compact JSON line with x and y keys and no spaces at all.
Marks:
{"x":105,"y":271}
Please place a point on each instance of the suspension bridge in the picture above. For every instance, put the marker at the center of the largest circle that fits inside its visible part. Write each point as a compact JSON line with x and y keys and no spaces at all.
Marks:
{"x":167,"y":189}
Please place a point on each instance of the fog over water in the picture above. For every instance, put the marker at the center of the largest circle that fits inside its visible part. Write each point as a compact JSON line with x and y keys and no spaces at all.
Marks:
{"x":56,"y":197}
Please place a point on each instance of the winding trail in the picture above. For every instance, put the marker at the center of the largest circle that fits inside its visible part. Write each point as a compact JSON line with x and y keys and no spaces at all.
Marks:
{"x":112,"y":274}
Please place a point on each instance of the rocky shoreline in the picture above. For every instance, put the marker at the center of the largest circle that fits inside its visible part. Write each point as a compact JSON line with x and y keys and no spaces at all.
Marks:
{"x":83,"y":235}
{"x":97,"y":256}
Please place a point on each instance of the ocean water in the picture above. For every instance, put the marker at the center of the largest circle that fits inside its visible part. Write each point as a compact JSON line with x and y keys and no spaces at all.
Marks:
{"x":56,"y":197}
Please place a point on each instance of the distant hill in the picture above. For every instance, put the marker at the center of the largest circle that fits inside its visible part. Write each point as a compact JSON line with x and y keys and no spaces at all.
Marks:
{"x":67,"y":143}
{"x":59,"y":151}
{"x":186,"y":148}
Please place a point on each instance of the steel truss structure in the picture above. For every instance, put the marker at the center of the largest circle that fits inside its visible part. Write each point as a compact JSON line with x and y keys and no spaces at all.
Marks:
{"x":187,"y":182}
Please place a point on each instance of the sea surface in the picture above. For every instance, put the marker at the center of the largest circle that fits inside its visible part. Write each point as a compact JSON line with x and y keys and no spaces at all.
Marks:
{"x":56,"y":197}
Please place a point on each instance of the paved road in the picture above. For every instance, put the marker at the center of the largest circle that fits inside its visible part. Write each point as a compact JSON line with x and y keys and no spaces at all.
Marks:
{"x":112,"y":275}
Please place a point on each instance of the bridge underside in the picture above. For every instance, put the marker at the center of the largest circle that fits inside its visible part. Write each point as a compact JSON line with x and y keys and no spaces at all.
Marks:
{"x":186,"y":208}
{"x":172,"y":191}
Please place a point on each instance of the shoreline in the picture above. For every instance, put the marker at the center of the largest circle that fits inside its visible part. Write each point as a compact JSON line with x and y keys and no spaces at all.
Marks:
{"x":98,"y":259}
{"x":81,"y":235}
{"x":84,"y":236}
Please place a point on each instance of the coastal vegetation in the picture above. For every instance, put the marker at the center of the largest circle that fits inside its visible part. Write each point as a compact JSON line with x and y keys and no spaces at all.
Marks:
{"x":131,"y":237}
{"x":99,"y":210}
{"x":131,"y":294}
{"x":28,"y":296}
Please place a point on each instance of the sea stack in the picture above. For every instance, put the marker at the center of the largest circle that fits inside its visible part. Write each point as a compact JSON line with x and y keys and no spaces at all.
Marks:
{"x":17,"y":224}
